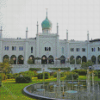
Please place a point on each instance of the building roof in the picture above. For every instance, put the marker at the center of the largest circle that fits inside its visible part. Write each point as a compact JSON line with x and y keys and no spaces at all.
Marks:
{"x":95,"y":40}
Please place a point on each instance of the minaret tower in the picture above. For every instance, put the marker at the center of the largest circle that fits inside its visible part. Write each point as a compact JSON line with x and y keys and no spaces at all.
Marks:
{"x":26,"y":32}
{"x":57,"y":28}
{"x":37,"y":27}
{"x":88,"y":45}
{"x":67,"y":35}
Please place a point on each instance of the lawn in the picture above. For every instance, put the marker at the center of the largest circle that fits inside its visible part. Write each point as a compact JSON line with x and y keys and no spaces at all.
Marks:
{"x":13,"y":91}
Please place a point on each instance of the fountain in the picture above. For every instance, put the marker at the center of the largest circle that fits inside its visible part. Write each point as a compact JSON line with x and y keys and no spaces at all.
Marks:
{"x":79,"y":90}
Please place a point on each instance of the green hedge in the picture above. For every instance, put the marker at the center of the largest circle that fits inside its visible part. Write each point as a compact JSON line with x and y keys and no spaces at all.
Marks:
{"x":34,"y":69}
{"x":69,"y":75}
{"x":66,"y":69}
{"x":80,"y":72}
{"x":9,"y":76}
{"x":62,"y":74}
{"x":46,"y":75}
{"x":15,"y":75}
{"x":98,"y":74}
{"x":27,"y":73}
{"x":24,"y":79}
{"x":55,"y":74}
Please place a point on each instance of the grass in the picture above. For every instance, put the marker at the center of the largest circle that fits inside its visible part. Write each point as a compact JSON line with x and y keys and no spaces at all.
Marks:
{"x":13,"y":91}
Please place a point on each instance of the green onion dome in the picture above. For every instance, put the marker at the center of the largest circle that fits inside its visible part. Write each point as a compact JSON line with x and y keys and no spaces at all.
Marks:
{"x":46,"y":24}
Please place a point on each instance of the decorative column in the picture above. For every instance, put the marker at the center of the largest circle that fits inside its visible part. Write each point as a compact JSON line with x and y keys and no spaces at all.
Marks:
{"x":1,"y":44}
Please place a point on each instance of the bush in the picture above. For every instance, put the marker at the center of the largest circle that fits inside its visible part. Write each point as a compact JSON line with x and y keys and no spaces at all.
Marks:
{"x":62,"y":74}
{"x":29,"y":73}
{"x":55,"y":74}
{"x":0,"y":80}
{"x":66,"y":69}
{"x":81,"y":72}
{"x":3,"y":76}
{"x":23,"y":79}
{"x":15,"y":75}
{"x":46,"y":74}
{"x":34,"y":69}
{"x":70,"y":74}
{"x":98,"y":74}
{"x":9,"y":76}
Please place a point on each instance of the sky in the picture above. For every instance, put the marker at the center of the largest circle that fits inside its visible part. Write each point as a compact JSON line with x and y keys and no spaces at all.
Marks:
{"x":76,"y":16}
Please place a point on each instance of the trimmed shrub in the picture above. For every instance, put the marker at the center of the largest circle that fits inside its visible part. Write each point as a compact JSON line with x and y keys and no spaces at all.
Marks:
{"x":29,"y":73}
{"x":98,"y":74}
{"x":15,"y":75}
{"x":55,"y":74}
{"x":70,"y":75}
{"x":9,"y":76}
{"x":66,"y":69}
{"x":23,"y":79}
{"x":34,"y":69}
{"x":46,"y":75}
{"x":62,"y":74}
{"x":80,"y":72}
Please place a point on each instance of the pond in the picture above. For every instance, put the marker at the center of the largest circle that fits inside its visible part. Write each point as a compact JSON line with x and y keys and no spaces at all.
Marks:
{"x":66,"y":90}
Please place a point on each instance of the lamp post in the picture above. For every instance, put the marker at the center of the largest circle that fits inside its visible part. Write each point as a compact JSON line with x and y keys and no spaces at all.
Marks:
{"x":43,"y":71}
{"x":43,"y":74}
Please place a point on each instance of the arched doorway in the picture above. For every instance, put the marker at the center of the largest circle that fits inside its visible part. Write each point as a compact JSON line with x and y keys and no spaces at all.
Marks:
{"x":72,"y":60}
{"x":5,"y":58}
{"x":50,"y":59}
{"x":13,"y":57}
{"x":44,"y":59}
{"x":84,"y":59}
{"x":32,"y":58}
{"x":93,"y":59}
{"x":20,"y":59}
{"x":62,"y":60}
{"x":78,"y":60}
{"x":99,"y":59}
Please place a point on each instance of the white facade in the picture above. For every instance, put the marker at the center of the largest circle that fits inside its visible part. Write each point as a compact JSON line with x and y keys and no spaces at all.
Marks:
{"x":58,"y":48}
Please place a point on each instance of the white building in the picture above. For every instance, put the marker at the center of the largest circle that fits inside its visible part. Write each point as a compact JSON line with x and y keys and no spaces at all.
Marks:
{"x":47,"y":45}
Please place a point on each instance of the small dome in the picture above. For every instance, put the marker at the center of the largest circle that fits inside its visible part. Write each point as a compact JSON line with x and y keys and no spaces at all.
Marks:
{"x":46,"y":24}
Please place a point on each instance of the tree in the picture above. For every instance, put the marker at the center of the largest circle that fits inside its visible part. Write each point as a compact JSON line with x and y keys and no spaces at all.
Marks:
{"x":85,"y":65}
{"x":5,"y":67}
